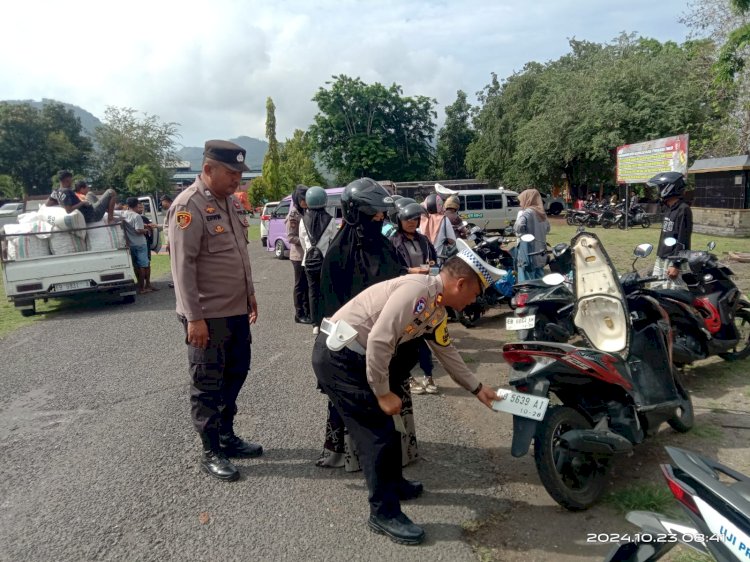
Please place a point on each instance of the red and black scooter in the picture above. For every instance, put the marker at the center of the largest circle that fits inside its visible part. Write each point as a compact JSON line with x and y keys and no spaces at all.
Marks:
{"x":613,"y":394}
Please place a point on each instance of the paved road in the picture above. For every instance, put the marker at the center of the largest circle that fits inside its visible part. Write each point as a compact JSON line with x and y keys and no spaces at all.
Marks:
{"x":99,"y":456}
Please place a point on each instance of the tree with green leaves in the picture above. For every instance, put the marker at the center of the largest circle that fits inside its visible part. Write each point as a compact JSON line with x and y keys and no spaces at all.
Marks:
{"x":296,"y":164}
{"x":453,"y":139}
{"x":270,"y":180}
{"x":565,"y":118}
{"x":370,"y":130}
{"x":10,"y":188}
{"x":141,"y":180}
{"x":128,"y":140}
{"x":35,"y":143}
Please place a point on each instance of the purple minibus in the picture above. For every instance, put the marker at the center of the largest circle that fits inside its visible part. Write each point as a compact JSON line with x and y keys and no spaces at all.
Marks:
{"x":277,"y":241}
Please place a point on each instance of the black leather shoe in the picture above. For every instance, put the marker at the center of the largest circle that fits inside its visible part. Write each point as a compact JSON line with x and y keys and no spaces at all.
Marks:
{"x":409,"y":489}
{"x":219,"y":466}
{"x":303,"y":320}
{"x":399,"y":529}
{"x":233,"y":446}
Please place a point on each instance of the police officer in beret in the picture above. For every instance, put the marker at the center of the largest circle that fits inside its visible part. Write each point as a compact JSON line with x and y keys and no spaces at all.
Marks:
{"x":215,"y":301}
{"x":353,"y":360}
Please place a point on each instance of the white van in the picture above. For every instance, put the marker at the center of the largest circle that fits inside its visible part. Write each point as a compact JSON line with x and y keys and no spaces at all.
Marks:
{"x":492,"y":209}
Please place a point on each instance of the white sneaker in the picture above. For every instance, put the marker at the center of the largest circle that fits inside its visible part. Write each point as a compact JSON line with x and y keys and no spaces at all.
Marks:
{"x":430,"y":386}
{"x":316,"y":331}
{"x":416,"y":387}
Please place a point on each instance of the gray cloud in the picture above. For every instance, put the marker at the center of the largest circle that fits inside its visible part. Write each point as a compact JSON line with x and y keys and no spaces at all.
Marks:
{"x":212,"y":68}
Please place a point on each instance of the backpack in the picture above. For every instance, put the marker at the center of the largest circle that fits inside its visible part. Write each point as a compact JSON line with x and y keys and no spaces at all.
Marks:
{"x":314,"y":256}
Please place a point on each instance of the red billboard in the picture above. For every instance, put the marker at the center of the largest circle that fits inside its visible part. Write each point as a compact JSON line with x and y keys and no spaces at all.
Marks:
{"x":638,"y":163}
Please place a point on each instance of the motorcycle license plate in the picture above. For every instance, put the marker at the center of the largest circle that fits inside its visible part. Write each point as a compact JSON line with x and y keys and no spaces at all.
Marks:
{"x":520,"y":322}
{"x":520,"y":404}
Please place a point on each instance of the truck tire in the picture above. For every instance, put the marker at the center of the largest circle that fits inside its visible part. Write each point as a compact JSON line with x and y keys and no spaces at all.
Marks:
{"x":128,"y":299}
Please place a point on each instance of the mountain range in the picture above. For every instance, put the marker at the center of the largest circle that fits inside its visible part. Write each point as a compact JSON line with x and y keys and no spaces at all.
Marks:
{"x":256,"y":148}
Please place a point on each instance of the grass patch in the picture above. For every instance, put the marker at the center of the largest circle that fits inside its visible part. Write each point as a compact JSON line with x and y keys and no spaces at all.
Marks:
{"x":647,"y":497}
{"x":707,"y":431}
{"x":683,"y":554}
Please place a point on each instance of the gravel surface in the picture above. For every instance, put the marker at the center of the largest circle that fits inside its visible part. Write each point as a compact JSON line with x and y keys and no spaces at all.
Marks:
{"x":99,"y":458}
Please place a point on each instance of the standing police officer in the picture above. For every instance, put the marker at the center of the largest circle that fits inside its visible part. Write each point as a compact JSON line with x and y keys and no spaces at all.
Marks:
{"x":215,"y":301}
{"x":352,"y":360}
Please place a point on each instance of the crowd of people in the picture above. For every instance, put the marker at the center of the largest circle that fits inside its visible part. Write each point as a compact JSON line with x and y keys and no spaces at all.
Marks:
{"x":371,"y":289}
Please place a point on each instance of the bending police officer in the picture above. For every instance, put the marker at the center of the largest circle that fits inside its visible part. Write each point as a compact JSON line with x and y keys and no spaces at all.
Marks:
{"x":352,"y":360}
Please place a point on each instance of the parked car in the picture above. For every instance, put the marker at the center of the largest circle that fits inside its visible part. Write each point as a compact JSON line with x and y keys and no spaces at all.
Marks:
{"x":276,"y":240}
{"x":9,"y":212}
{"x":265,"y":216}
{"x":492,"y":209}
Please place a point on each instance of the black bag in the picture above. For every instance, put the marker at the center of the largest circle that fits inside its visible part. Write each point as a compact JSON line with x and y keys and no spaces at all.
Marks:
{"x":314,"y":260}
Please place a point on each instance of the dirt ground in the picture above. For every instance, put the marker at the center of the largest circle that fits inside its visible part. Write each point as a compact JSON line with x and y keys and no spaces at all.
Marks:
{"x":536,"y":528}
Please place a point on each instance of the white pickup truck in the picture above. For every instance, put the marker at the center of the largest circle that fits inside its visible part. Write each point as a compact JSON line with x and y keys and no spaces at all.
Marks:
{"x":37,"y":268}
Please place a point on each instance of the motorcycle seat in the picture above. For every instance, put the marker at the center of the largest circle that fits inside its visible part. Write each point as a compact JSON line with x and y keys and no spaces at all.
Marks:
{"x":675,"y":294}
{"x":532,"y":284}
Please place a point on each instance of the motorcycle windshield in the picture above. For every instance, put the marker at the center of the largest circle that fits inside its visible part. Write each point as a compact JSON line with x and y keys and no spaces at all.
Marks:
{"x":600,"y":313}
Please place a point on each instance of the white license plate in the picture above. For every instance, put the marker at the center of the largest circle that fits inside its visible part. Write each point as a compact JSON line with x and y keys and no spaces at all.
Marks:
{"x":520,"y":322}
{"x":71,"y":286}
{"x":520,"y":404}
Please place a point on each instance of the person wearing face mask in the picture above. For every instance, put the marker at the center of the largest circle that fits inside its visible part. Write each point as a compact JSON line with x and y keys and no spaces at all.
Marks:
{"x":301,"y":296}
{"x":359,"y":256}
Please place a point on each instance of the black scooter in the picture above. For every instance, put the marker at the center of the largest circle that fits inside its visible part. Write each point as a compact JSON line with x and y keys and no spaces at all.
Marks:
{"x":710,"y":317}
{"x":716,"y":500}
{"x":543,"y":308}
{"x":613,"y":394}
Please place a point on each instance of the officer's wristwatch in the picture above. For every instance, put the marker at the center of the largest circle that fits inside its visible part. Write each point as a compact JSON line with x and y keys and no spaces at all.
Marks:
{"x":477,"y":389}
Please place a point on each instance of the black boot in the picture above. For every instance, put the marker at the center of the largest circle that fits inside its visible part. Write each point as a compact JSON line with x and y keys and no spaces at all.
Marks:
{"x":233,"y":446}
{"x":399,"y":529}
{"x":214,"y":461}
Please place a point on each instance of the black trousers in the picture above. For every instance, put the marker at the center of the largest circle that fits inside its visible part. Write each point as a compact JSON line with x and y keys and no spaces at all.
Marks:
{"x":342,"y":376}
{"x":218,"y":373}
{"x":301,"y":297}
{"x":316,"y":305}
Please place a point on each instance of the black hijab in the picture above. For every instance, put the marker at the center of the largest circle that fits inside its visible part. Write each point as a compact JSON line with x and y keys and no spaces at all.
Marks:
{"x":316,"y":221}
{"x":299,"y":195}
{"x":359,"y":256}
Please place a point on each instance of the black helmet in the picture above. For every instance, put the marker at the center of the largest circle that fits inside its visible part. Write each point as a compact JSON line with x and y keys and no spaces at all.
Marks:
{"x":398,"y":203}
{"x":410,"y":211}
{"x":433,"y":203}
{"x":364,"y":196}
{"x":669,"y":184}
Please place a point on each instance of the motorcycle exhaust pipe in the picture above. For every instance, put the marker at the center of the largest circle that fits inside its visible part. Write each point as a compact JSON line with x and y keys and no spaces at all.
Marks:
{"x":596,"y":442}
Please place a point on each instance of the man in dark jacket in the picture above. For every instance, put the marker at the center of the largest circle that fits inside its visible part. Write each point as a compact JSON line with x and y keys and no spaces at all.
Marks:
{"x":678,"y":222}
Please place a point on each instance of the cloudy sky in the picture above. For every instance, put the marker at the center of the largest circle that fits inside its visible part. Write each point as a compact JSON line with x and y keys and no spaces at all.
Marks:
{"x":210,"y":65}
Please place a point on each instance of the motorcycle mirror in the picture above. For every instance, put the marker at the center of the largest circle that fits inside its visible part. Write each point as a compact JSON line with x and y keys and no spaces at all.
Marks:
{"x":669,"y":242}
{"x":553,"y":279}
{"x":711,"y":245}
{"x":643,"y":250}
{"x":528,"y":238}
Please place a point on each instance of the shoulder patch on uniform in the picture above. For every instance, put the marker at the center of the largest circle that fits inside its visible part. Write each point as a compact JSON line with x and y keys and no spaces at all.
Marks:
{"x":441,"y":334}
{"x":420,"y":305}
{"x":236,"y":203}
{"x":183,"y":219}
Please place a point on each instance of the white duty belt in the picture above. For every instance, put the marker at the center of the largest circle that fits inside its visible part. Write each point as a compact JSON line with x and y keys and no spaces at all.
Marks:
{"x":340,"y":335}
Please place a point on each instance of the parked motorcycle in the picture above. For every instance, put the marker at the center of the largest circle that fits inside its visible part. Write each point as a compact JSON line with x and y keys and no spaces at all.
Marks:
{"x":581,"y":217}
{"x":636,"y":216}
{"x":715,"y":498}
{"x":613,"y":394}
{"x":711,"y":316}
{"x":500,"y":292}
{"x":543,"y":308}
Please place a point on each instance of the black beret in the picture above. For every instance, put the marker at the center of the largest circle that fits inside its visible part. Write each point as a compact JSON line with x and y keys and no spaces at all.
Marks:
{"x":227,"y":153}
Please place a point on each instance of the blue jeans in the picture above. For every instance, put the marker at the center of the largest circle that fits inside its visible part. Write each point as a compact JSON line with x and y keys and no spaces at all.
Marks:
{"x":140,"y":256}
{"x":425,"y":359}
{"x":529,"y":272}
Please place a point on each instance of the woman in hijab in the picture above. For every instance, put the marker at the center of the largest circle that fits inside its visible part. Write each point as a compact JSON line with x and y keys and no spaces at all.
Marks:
{"x":316,"y":231}
{"x":358,"y":257}
{"x":300,"y":295}
{"x":436,"y":226}
{"x":531,"y":220}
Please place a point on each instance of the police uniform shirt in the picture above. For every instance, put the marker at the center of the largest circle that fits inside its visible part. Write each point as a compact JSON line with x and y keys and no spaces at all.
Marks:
{"x":395,"y":311}
{"x":208,"y":245}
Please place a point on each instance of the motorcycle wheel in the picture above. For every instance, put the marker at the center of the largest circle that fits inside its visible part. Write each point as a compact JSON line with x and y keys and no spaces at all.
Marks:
{"x":591,"y":222}
{"x":621,"y":224}
{"x":685,"y":416}
{"x":645,"y":222}
{"x":742,"y":324}
{"x":575,"y":481}
{"x":569,"y":220}
{"x":606,"y":223}
{"x":469,"y":316}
